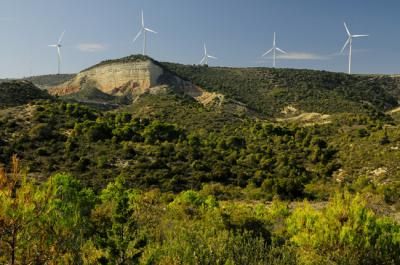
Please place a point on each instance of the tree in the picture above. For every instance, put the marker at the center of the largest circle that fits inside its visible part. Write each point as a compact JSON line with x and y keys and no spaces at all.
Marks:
{"x":17,"y":212}
{"x":64,"y":225}
{"x":45,"y":223}
{"x":345,"y":232}
{"x":115,"y":227}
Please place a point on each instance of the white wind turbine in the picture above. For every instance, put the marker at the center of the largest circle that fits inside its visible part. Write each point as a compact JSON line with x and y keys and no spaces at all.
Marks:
{"x":58,"y":46}
{"x":274,"y":49}
{"x":143,"y":30}
{"x":206,"y":56}
{"x":350,"y":43}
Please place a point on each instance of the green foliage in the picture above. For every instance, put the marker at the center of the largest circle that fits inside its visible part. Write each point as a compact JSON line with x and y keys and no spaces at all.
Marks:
{"x":117,"y":229}
{"x":60,"y":221}
{"x":268,"y":90}
{"x":159,"y":131}
{"x":15,"y":93}
{"x":42,"y":223}
{"x":169,"y":181}
{"x":346,"y":232}
{"x":41,"y":131}
{"x":268,"y":158}
{"x":50,"y":80}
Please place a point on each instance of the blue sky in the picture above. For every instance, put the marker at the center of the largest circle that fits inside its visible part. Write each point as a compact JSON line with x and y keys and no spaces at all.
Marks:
{"x":236,"y":31}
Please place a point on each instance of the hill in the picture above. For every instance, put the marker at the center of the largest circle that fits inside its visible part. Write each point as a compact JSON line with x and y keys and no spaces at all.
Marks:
{"x":14,"y":93}
{"x":197,"y":124}
{"x":204,"y":160}
{"x":263,"y":91}
{"x":47,"y":81}
{"x":269,"y":91}
{"x":44,"y":81}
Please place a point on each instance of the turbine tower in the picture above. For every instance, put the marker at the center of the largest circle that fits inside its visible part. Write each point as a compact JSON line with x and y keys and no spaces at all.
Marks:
{"x":349,"y":42}
{"x":206,"y":56}
{"x":274,"y":49}
{"x":58,"y":46}
{"x":143,"y":30}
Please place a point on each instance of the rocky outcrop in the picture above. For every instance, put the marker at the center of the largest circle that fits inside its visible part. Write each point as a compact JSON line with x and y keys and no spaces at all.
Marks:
{"x":115,"y":78}
{"x":134,"y":76}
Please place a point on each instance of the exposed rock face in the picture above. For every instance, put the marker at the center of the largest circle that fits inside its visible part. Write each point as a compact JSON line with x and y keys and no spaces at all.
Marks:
{"x":115,"y":78}
{"x":134,"y":77}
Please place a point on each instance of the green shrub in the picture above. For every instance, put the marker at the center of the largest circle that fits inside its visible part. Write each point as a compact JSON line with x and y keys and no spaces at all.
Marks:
{"x":40,"y":132}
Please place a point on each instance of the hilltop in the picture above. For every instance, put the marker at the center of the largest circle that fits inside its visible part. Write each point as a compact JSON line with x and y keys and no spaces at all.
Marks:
{"x":14,"y":93}
{"x":44,"y":81}
{"x":267,"y":92}
{"x":270,"y":91}
{"x":48,"y":81}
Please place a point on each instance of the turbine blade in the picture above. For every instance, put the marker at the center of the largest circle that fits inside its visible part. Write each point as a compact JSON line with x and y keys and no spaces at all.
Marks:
{"x":142,"y":19}
{"x":202,"y":60}
{"x":212,"y":57}
{"x":267,"y":52}
{"x":61,"y":37}
{"x":205,"y":49}
{"x":150,"y":30}
{"x":53,"y":45}
{"x":282,"y":51}
{"x":345,"y":45}
{"x":347,"y":29}
{"x":137,"y":36}
{"x":357,"y":36}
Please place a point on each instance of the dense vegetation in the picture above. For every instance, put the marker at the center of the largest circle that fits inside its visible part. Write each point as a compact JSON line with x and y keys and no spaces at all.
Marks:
{"x":268,"y":90}
{"x":46,"y":81}
{"x":59,"y":221}
{"x":274,"y":159}
{"x":167,"y":180}
{"x":14,"y":93}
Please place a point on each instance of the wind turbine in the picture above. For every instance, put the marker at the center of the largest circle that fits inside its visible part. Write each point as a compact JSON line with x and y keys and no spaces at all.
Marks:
{"x":58,"y":46}
{"x":143,"y":30}
{"x":274,"y":49}
{"x":206,"y":56}
{"x":350,"y":43}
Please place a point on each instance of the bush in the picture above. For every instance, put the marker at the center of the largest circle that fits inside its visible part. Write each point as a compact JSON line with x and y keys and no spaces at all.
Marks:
{"x":99,"y":131}
{"x":159,"y":131}
{"x":40,"y":132}
{"x":347,"y":226}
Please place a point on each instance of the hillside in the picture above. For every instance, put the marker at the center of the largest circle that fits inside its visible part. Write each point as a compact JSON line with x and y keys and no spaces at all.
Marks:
{"x":47,"y":81}
{"x":269,"y":91}
{"x":44,"y":81}
{"x":198,"y":165}
{"x":264,"y":91}
{"x":14,"y":93}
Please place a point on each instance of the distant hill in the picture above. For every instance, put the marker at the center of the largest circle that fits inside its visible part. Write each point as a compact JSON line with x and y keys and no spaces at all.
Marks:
{"x":266,"y":91}
{"x":14,"y":93}
{"x":46,"y":81}
{"x":43,"y":81}
{"x":269,"y":91}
